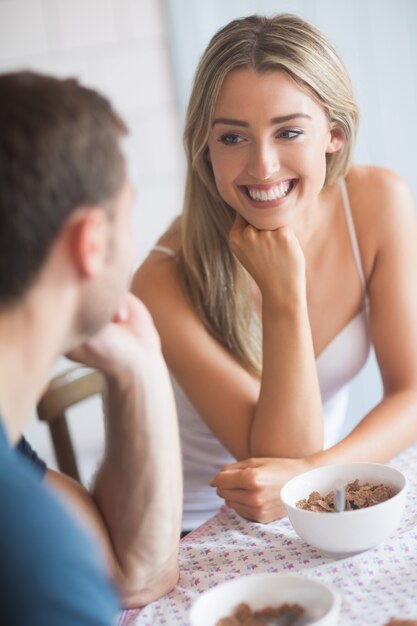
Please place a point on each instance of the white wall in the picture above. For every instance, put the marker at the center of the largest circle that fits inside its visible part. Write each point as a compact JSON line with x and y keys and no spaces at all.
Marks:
{"x":120,"y":48}
{"x":377,"y":40}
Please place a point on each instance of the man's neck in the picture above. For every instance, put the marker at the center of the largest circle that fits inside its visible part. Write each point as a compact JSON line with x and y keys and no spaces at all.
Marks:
{"x":30,"y":342}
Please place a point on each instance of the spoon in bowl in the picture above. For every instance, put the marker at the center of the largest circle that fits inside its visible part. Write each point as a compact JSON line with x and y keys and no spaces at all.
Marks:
{"x":339,"y":496}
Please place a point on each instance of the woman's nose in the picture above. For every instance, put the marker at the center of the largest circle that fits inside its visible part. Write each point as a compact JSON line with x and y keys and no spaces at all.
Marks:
{"x":264,"y":161}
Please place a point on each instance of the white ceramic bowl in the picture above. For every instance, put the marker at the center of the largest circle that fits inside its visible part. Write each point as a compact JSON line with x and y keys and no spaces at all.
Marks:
{"x":348,"y":532}
{"x":321,"y":602}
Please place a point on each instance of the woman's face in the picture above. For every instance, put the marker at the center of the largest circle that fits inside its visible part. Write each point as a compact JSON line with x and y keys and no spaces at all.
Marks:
{"x":267,"y":147}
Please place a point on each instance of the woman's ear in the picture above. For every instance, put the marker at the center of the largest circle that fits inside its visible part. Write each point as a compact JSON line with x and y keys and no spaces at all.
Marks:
{"x":336,"y":140}
{"x":88,"y":240}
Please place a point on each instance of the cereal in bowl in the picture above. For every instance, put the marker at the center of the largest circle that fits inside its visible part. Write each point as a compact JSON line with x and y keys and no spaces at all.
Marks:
{"x":243,"y":615}
{"x":358,"y":496}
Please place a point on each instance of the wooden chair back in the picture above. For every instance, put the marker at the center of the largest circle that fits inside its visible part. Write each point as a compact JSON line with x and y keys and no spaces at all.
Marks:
{"x":63,"y":392}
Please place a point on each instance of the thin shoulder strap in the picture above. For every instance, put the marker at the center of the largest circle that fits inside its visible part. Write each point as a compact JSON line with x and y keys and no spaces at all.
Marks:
{"x":352,"y":232}
{"x":164,"y":250}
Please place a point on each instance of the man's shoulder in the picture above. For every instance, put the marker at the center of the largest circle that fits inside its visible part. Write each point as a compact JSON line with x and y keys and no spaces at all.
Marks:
{"x":22,"y":489}
{"x":49,"y":568}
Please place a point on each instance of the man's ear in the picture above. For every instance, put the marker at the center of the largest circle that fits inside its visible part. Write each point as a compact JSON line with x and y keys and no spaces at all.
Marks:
{"x":88,"y":240}
{"x":336,"y":140}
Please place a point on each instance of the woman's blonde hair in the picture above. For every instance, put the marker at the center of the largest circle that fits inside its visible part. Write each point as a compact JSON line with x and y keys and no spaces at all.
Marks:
{"x":215,"y":282}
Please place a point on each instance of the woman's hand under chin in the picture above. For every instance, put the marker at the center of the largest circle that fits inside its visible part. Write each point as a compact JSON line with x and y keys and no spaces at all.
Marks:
{"x":252,"y":487}
{"x":273,"y":258}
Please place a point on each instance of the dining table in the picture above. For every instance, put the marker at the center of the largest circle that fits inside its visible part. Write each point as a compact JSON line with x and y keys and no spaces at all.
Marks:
{"x":376,"y":585}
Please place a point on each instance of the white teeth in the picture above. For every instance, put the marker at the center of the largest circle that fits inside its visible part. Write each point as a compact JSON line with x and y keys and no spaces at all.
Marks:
{"x":279,"y":191}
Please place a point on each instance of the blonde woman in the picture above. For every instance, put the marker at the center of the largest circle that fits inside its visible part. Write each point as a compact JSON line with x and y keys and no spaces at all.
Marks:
{"x":286,"y":264}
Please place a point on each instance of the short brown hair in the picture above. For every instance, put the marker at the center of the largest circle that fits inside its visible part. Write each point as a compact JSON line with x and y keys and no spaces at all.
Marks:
{"x":59,"y":150}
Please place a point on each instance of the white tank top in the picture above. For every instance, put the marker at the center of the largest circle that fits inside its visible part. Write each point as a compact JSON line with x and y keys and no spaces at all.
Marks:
{"x":204,"y":455}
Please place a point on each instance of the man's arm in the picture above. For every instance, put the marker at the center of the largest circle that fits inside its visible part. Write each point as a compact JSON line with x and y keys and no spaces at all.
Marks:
{"x":135,"y":504}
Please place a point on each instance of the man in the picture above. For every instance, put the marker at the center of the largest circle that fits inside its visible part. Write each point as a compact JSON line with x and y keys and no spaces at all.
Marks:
{"x":66,"y":251}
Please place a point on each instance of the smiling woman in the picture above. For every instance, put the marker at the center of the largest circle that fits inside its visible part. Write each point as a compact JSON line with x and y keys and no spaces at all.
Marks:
{"x":249,"y":155}
{"x":285,"y":264}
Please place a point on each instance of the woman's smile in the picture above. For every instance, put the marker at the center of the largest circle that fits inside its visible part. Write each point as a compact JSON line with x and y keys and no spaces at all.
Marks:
{"x":268,"y":196}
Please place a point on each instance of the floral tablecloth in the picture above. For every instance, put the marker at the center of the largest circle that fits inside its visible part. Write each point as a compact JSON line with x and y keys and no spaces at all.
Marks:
{"x":376,"y":585}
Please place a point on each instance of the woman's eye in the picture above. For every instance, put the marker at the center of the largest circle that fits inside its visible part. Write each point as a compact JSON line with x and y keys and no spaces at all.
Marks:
{"x":289,"y":134}
{"x":230,"y":139}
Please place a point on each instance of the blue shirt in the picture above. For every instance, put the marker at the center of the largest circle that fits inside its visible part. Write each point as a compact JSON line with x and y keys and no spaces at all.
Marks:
{"x":50,"y":572}
{"x":24,"y":448}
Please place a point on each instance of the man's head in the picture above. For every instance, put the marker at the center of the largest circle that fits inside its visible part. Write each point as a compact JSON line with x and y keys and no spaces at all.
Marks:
{"x":59,"y":154}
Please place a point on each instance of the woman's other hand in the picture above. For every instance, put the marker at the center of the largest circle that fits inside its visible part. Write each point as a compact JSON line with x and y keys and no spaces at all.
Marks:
{"x":252,"y":487}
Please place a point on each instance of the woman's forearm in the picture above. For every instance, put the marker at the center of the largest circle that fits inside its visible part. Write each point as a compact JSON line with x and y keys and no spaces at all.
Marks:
{"x":288,"y":420}
{"x":389,"y":428}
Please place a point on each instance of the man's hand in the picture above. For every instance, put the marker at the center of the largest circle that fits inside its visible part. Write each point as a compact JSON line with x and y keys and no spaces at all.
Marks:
{"x":121,"y":342}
